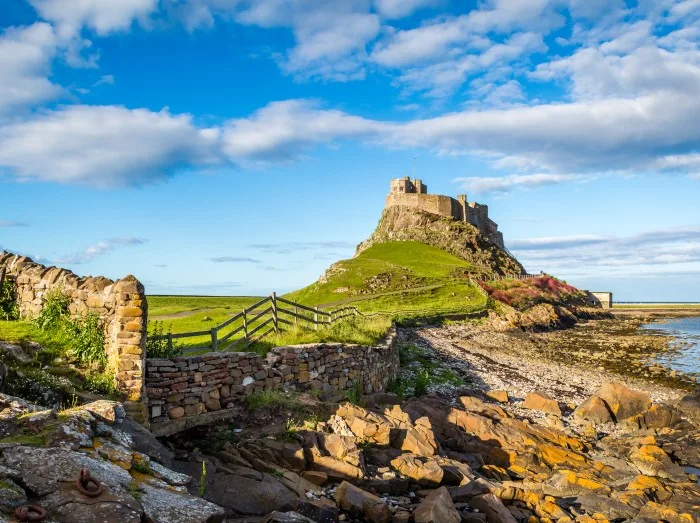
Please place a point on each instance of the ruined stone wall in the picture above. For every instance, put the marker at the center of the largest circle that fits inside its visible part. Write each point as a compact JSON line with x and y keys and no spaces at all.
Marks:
{"x":433,"y":203}
{"x":120,"y":304}
{"x":184,"y":392}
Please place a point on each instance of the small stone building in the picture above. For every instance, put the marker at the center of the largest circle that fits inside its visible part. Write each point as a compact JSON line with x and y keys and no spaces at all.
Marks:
{"x":599,"y":299}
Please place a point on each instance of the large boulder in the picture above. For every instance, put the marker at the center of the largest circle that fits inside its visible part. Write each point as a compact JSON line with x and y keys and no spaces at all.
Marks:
{"x":424,"y":471}
{"x":255,"y":493}
{"x":622,"y":401}
{"x":495,"y":510}
{"x":542,"y":402}
{"x":689,"y":405}
{"x":594,"y":409}
{"x":361,"y":503}
{"x":437,"y":507}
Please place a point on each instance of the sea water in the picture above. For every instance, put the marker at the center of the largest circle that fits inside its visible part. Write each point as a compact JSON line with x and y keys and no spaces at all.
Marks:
{"x":684,"y":352}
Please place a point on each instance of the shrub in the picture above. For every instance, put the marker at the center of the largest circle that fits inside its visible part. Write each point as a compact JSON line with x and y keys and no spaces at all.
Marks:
{"x":157,"y":346}
{"x":8,"y":301}
{"x":420,"y":387}
{"x":55,"y":311}
{"x":88,"y":339}
{"x":100,"y":382}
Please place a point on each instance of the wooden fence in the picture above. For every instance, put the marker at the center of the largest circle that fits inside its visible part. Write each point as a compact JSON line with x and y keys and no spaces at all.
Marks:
{"x":257,"y":321}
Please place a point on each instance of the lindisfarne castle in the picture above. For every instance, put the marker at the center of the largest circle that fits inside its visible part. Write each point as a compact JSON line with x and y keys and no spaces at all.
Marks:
{"x":405,"y":192}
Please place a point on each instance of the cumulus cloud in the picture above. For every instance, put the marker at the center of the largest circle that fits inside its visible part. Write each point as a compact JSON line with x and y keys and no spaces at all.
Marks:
{"x":70,"y":16}
{"x":105,"y":146}
{"x":99,"y":249}
{"x":25,"y":64}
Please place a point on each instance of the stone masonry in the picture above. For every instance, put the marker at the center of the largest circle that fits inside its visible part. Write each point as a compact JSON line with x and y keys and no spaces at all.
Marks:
{"x":121,"y":305}
{"x":184,"y":392}
{"x":414,"y":194}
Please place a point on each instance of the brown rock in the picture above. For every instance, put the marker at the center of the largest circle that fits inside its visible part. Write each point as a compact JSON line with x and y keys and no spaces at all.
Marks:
{"x":473,"y":404}
{"x":495,"y":510}
{"x":623,"y":402}
{"x":315,"y":476}
{"x":437,"y":507}
{"x":176,"y":413}
{"x":595,"y":410}
{"x":500,"y":396}
{"x":213,"y":404}
{"x":360,"y":502}
{"x":542,"y":402}
{"x":420,"y":439}
{"x":425,"y":472}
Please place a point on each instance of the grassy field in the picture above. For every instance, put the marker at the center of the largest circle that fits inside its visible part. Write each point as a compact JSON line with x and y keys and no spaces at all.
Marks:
{"x":397,"y":277}
{"x":392,"y":278}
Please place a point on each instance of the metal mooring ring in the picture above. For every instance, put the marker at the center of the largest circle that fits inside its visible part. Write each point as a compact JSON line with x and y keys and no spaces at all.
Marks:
{"x":30,"y":513}
{"x":88,"y":485}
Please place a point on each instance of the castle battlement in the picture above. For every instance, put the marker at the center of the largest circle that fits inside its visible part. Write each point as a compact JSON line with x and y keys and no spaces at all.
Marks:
{"x":405,"y":192}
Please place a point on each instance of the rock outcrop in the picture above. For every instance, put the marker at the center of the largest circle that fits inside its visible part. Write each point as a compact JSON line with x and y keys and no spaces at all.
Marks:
{"x":90,"y":464}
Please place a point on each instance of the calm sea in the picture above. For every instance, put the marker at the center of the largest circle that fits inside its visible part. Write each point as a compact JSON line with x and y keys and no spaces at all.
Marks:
{"x":684,"y":355}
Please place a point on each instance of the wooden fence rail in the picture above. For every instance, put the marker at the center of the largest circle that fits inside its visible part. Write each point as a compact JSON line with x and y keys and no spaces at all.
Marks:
{"x":254,"y":319}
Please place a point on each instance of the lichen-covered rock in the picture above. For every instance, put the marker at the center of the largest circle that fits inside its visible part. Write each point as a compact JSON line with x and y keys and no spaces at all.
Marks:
{"x":594,"y":409}
{"x":166,"y":505}
{"x":622,"y":401}
{"x":424,"y":471}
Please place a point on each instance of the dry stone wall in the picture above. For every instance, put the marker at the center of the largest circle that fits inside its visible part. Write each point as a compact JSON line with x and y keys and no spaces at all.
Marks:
{"x":184,"y":392}
{"x":120,"y":304}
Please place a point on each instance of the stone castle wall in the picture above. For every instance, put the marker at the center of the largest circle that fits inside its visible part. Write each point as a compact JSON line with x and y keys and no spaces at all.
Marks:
{"x":184,"y":392}
{"x":121,"y":305}
{"x":403,"y":195}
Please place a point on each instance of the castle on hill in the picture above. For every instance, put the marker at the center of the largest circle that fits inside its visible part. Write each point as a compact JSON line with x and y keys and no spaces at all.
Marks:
{"x":405,"y":192}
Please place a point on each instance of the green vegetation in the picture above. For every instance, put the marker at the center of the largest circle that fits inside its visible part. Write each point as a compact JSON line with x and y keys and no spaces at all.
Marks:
{"x":8,"y":301}
{"x":202,"y":488}
{"x":396,"y":277}
{"x":157,"y":347}
{"x":354,"y":393}
{"x":142,"y":467}
{"x":420,"y":371}
{"x":359,"y":330}
{"x":274,"y":398}
{"x":523,"y":294}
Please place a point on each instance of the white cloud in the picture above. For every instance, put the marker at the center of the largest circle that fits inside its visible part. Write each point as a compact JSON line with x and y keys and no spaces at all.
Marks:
{"x":235,"y":259}
{"x":104,"y":146}
{"x":99,"y":249}
{"x":25,"y":63}
{"x":106,"y":79}
{"x":12,"y":223}
{"x":281,"y":131}
{"x":102,"y":16}
{"x":503,"y":184}
{"x":401,"y":8}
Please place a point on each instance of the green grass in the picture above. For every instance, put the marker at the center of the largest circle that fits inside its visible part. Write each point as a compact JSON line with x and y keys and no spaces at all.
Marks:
{"x":54,"y":342}
{"x":362,"y":331}
{"x":397,"y":277}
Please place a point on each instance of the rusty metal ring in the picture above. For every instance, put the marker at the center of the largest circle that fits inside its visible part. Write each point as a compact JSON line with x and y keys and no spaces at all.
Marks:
{"x":87,"y":485}
{"x":30,"y":513}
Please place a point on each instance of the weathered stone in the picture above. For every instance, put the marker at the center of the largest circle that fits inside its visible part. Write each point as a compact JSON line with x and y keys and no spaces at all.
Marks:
{"x":500,"y":396}
{"x":495,"y":510}
{"x":248,"y":496}
{"x":594,"y":409}
{"x":437,"y":507}
{"x":360,"y":502}
{"x":426,"y":472}
{"x":542,"y":403}
{"x":622,"y":401}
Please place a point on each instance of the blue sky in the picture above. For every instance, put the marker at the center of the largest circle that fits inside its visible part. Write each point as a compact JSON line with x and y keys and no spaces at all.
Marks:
{"x":240,"y":147}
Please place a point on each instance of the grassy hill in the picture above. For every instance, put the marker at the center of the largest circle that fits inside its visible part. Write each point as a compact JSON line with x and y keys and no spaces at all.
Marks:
{"x":397,"y":276}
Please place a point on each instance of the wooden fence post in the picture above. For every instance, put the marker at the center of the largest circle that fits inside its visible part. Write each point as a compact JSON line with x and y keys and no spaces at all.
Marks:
{"x":170,"y":342}
{"x":274,"y":311}
{"x":245,"y":327}
{"x":296,"y":314}
{"x":330,"y":319}
{"x":316,"y":318}
{"x":214,"y":340}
